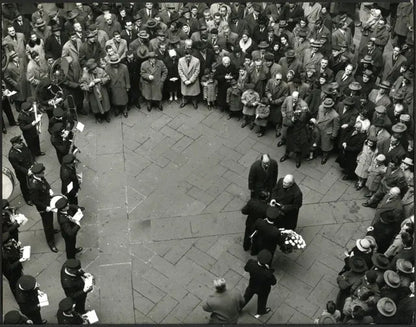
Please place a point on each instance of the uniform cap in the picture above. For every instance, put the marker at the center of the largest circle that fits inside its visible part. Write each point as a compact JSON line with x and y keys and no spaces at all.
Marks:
{"x":264,"y":257}
{"x":66,"y":304}
{"x":73,"y":264}
{"x":27,"y":282}
{"x":37,"y":168}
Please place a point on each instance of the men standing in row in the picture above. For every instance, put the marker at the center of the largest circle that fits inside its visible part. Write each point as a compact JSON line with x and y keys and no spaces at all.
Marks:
{"x":21,"y":159}
{"x":40,"y":194}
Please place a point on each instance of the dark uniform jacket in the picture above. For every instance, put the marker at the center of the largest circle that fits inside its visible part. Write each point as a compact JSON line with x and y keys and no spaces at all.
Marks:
{"x":69,"y":175}
{"x":73,"y":318}
{"x":267,"y":237}
{"x":27,"y":300}
{"x":39,"y":192}
{"x":261,"y":277}
{"x":68,"y":228}
{"x":73,"y":285}
{"x":21,"y":160}
{"x":25,"y":123}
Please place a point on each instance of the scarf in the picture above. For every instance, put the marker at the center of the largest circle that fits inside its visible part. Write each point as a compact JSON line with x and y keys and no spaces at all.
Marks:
{"x":245,"y":45}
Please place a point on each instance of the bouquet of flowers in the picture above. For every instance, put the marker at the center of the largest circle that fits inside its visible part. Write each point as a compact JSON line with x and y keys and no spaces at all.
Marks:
{"x":290,"y":241}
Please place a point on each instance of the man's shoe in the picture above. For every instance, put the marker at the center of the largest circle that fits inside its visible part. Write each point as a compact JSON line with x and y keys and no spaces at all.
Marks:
{"x":244,"y":124}
{"x":298,"y":164}
{"x":108,"y":119}
{"x":284,"y":158}
{"x":78,"y":250}
{"x":251,"y":126}
{"x":125,"y":114}
{"x":260,"y":134}
{"x":229,"y":117}
{"x":40,"y":154}
{"x":116,"y":114}
{"x":369,"y":205}
{"x":195,"y":105}
{"x":99,"y":120}
{"x":183,"y":104}
{"x":149,"y":108}
{"x":29,"y":203}
{"x":323,"y":161}
{"x":44,"y":321}
{"x":258,"y":315}
{"x":346,"y":178}
{"x":53,"y":248}
{"x":160,"y":107}
{"x":281,"y":143}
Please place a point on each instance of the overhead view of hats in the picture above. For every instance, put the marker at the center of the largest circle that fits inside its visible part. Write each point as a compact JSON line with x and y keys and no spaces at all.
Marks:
{"x":142,"y":52}
{"x":357,"y":264}
{"x":408,"y":161}
{"x":91,"y":64}
{"x":74,"y":264}
{"x":16,"y":139}
{"x":367,"y":72}
{"x":61,"y":203}
{"x":380,"y":261}
{"x":143,"y":34}
{"x":290,"y":53}
{"x":363,"y":245}
{"x":39,"y":22}
{"x":391,"y":278}
{"x":72,"y":14}
{"x":328,"y":103}
{"x":263,"y":45}
{"x":380,"y":109}
{"x":151,"y":23}
{"x":272,"y":212}
{"x":404,"y":266}
{"x":367,"y":59}
{"x":37,"y":168}
{"x":349,"y":101}
{"x":386,"y":307}
{"x":384,"y":85}
{"x":114,"y":59}
{"x":66,"y":304}
{"x":381,"y":157}
{"x":355,"y":86}
{"x":302,"y":33}
{"x":399,"y":128}
{"x":404,"y":118}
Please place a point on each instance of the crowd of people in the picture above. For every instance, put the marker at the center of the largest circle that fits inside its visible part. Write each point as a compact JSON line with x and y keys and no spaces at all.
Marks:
{"x":327,"y":78}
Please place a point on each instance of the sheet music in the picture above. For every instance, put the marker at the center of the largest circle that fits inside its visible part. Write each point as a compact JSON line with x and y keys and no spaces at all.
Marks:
{"x":26,"y":252}
{"x":91,"y":316}
{"x":78,"y":216}
{"x":43,"y":299}
{"x":80,"y":127}
{"x":70,"y":187}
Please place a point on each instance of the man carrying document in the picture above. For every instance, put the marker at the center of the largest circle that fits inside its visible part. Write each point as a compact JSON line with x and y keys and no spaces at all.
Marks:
{"x":69,"y":216}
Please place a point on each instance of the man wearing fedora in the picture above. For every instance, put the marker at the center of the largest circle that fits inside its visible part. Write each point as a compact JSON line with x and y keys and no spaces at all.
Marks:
{"x":153,"y":75}
{"x":348,"y":113}
{"x":224,"y":305}
{"x":41,"y":30}
{"x":290,"y":62}
{"x":328,"y":124}
{"x":119,"y":85}
{"x":391,"y":64}
{"x":91,"y":49}
{"x":380,"y":96}
{"x":15,"y":79}
{"x":54,"y":43}
{"x":118,"y":44}
{"x":109,"y":25}
{"x":27,"y":299}
{"x":21,"y":159}
{"x":390,"y":207}
{"x":128,"y":33}
{"x":312,"y":56}
{"x":260,"y":282}
{"x":156,"y":41}
{"x":404,"y":84}
{"x":392,"y":147}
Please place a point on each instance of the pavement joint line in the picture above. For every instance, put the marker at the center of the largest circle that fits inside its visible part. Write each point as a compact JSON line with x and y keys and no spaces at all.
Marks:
{"x":116,"y":264}
{"x":110,"y":208}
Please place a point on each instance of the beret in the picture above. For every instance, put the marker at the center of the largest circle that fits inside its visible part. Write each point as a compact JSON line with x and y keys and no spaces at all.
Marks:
{"x":37,"y":168}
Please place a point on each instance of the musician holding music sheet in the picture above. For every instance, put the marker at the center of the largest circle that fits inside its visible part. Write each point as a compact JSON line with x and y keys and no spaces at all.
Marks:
{"x":29,"y":121}
{"x":69,"y":178}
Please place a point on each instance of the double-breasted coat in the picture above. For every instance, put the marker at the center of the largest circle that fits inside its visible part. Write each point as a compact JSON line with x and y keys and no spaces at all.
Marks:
{"x":391,"y":69}
{"x":119,"y":84}
{"x":72,"y":50}
{"x":297,"y":139}
{"x":328,"y":124}
{"x":35,"y":73}
{"x":15,"y":78}
{"x":98,"y":98}
{"x":260,"y":179}
{"x":223,"y":83}
{"x":278,"y":93}
{"x":189,"y":73}
{"x":152,"y":89}
{"x":347,"y":157}
{"x":249,"y":99}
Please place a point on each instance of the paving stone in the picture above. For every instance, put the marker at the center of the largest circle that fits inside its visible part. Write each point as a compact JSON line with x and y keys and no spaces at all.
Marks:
{"x":171,"y":228}
{"x":148,"y":290}
{"x":140,"y":318}
{"x":141,"y":303}
{"x":200,"y":257}
{"x":299,"y":303}
{"x":282,"y":314}
{"x":176,"y":252}
{"x":162,"y":309}
{"x":185,"y":307}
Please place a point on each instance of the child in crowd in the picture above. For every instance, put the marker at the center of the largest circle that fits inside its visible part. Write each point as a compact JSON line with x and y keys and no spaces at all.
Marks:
{"x":364,"y":160}
{"x":262,"y":113}
{"x":314,"y":137}
{"x":330,"y":311}
{"x":210,"y":88}
{"x":250,"y":100}
{"x":234,"y":99}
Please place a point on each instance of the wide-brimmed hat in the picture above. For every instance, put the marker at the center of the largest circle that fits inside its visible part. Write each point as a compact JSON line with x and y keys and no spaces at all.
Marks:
{"x":368,"y":72}
{"x":384,"y":85}
{"x":404,"y":266}
{"x":363,"y":245}
{"x":405,"y":117}
{"x":408,"y":161}
{"x":61,"y":203}
{"x":72,"y":14}
{"x":326,"y":319}
{"x":328,"y":103}
{"x":174,"y":17}
{"x":263,"y":45}
{"x":151,"y":54}
{"x":349,"y":101}
{"x":92,"y":34}
{"x":91,"y":64}
{"x":142,"y":52}
{"x":316,"y":44}
{"x":16,"y":139}
{"x":380,"y":109}
{"x":114,"y":59}
{"x":355,"y":86}
{"x":143,"y":34}
{"x":399,"y":128}
{"x":367,"y":60}
{"x":74,"y":264}
{"x":56,"y":27}
{"x":391,"y":278}
{"x":39,"y":22}
{"x":137,"y":17}
{"x":381,"y":157}
{"x":380,"y":261}
{"x":290,"y":53}
{"x":386,"y":307}
{"x":68,"y":158}
{"x":66,"y":304}
{"x":357,"y":264}
{"x":151,"y":23}
{"x":174,"y":39}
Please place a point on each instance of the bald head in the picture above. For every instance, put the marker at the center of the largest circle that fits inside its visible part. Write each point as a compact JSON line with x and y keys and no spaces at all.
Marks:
{"x":288,"y":181}
{"x":265,"y":161}
{"x":226,"y":60}
{"x":394,"y":191}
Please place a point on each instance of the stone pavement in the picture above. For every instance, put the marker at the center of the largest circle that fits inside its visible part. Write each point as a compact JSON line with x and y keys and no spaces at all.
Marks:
{"x":163,"y":193}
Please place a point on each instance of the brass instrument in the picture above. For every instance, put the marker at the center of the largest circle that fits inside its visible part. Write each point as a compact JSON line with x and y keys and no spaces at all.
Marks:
{"x":39,"y":124}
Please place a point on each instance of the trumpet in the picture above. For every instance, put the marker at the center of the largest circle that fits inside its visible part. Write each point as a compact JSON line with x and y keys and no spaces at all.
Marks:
{"x":39,"y":124}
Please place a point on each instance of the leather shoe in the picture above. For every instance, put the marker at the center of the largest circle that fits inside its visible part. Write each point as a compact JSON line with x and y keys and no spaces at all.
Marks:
{"x":284,"y":158}
{"x":298,"y":164}
{"x":78,"y":250}
{"x":244,"y":124}
{"x":195,"y":105}
{"x":125,"y":114}
{"x":44,"y":321}
{"x":346,"y":178}
{"x":149,"y":108}
{"x":260,"y":134}
{"x":29,"y":203}
{"x":278,"y":134}
{"x":323,"y":161}
{"x":160,"y":107}
{"x":41,"y":154}
{"x":281,"y":143}
{"x":182,"y":105}
{"x":53,"y":248}
{"x":369,"y":204}
{"x":229,"y":117}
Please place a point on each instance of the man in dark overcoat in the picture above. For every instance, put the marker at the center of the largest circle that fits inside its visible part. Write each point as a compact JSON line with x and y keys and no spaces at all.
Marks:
{"x":27,"y":123}
{"x":276,"y":91}
{"x":27,"y":299}
{"x":288,"y":196}
{"x":224,"y":73}
{"x":262,"y":176}
{"x":133,"y":67}
{"x":254,"y":209}
{"x":21,"y":159}
{"x":261,"y":281}
{"x":153,"y":75}
{"x":119,"y":85}
{"x":68,"y":175}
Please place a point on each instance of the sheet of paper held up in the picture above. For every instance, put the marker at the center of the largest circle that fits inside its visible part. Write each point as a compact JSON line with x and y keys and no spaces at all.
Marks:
{"x":80,"y":127}
{"x":43,"y":299}
{"x":78,"y":216}
{"x":20,"y":219}
{"x":91,"y":316}
{"x":69,"y":187}
{"x":26,"y":253}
